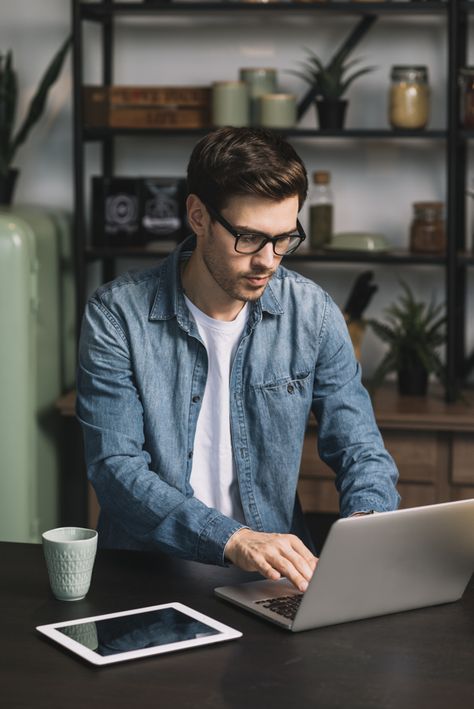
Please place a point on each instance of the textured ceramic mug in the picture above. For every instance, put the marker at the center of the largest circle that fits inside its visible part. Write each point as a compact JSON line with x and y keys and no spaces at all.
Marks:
{"x":70,"y":554}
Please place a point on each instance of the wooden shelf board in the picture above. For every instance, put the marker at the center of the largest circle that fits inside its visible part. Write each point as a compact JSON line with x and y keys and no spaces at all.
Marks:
{"x":418,"y":413}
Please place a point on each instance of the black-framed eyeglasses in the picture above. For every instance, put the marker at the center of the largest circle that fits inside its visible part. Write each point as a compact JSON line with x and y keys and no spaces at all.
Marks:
{"x":252,"y":242}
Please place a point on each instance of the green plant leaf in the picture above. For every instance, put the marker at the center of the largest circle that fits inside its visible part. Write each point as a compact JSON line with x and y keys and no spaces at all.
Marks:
{"x":306,"y":76}
{"x":386,"y":366}
{"x":354,"y":76}
{"x":413,"y":331}
{"x":352,"y":40}
{"x":386,"y":333}
{"x":328,"y":79}
{"x":8,"y":102}
{"x":38,"y":101}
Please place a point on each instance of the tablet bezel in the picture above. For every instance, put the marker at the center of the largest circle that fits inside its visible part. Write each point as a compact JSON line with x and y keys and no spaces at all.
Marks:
{"x":224,"y":633}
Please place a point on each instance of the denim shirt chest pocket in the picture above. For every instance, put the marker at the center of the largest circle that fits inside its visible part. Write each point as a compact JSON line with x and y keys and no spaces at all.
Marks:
{"x":283,"y":403}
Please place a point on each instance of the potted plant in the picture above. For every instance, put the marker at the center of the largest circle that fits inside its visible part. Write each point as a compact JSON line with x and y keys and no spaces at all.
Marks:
{"x":413,"y":331}
{"x":329,"y":82}
{"x":10,"y":141}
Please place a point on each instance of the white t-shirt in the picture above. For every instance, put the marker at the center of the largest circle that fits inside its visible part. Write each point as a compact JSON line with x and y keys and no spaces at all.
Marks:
{"x":213,"y":474}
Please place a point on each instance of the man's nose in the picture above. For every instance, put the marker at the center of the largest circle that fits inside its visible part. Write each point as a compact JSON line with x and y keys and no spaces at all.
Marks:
{"x":265,"y":257}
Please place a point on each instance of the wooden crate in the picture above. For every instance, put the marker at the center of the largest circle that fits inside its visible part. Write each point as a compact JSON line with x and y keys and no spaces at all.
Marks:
{"x":147,"y":106}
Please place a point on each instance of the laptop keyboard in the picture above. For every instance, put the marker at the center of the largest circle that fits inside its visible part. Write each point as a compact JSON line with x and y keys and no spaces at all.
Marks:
{"x":283,"y":605}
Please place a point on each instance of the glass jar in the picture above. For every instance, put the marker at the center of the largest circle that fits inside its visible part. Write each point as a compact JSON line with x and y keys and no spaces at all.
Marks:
{"x":409,"y":104}
{"x":320,"y":210}
{"x":466,"y":95}
{"x":427,"y":234}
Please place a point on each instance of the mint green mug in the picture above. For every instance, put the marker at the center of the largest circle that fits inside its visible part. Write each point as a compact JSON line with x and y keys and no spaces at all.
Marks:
{"x":70,"y":554}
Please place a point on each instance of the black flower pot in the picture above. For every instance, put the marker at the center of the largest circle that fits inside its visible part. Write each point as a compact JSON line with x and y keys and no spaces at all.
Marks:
{"x":331,"y":113}
{"x":413,"y":381}
{"x":7,"y":186}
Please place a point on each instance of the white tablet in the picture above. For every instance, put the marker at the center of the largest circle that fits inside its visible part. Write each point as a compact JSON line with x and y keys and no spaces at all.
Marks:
{"x":127,"y":635}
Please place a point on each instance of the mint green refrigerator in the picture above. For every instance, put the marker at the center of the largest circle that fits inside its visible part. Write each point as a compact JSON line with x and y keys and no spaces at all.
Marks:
{"x":37,"y":353}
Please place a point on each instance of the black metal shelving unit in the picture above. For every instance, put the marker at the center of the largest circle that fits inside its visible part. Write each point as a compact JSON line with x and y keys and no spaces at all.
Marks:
{"x":320,"y":256}
{"x":456,"y":261}
{"x":101,"y":11}
{"x":97,"y":134}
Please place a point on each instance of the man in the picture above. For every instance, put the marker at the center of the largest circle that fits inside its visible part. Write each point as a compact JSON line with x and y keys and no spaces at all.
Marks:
{"x":196,"y":378}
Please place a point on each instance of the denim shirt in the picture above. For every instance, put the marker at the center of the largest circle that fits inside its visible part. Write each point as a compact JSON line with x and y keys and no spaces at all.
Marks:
{"x":141,"y":378}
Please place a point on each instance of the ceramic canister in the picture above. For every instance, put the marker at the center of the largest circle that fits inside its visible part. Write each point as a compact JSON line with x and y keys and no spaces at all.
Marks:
{"x":260,"y":81}
{"x":230,"y":103}
{"x":278,"y":110}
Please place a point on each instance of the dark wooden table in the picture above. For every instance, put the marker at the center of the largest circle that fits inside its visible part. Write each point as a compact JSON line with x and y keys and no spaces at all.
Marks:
{"x":418,"y":659}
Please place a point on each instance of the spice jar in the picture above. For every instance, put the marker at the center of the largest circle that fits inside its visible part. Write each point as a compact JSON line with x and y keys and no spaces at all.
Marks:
{"x":466,"y":95}
{"x":409,"y":104}
{"x":427,"y":234}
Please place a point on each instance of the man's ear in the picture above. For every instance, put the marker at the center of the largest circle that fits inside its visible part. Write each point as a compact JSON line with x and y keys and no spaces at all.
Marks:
{"x":198,"y":216}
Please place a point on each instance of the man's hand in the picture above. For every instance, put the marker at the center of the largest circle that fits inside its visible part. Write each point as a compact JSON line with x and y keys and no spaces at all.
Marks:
{"x":273,"y":555}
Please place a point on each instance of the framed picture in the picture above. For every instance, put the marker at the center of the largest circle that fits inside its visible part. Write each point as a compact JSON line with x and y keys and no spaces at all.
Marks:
{"x":138,"y":211}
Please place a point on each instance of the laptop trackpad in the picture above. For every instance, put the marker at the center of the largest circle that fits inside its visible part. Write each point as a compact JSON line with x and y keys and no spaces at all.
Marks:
{"x":257,"y":590}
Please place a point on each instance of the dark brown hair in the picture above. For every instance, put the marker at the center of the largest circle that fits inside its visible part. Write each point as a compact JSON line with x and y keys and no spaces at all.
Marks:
{"x":232,"y":162}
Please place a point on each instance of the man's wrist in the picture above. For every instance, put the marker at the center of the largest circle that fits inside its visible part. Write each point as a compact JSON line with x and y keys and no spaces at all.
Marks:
{"x":230,"y":541}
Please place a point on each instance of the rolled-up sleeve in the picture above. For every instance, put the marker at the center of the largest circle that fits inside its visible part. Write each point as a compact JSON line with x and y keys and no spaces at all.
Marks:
{"x":348,"y":437}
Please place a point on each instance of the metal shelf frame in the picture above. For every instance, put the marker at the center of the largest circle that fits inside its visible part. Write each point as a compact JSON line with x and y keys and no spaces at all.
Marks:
{"x":100,"y":12}
{"x":455,"y":262}
{"x":99,"y":134}
{"x":321,"y":256}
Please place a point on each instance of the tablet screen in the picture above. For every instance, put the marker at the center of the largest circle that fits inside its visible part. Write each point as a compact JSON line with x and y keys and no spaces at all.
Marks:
{"x":138,"y":631}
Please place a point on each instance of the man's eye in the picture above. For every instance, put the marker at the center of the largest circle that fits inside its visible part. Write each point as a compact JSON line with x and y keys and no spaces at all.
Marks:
{"x":250,"y":239}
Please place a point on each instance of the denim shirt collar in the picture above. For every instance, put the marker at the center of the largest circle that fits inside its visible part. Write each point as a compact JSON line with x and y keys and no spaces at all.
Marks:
{"x":169,"y":297}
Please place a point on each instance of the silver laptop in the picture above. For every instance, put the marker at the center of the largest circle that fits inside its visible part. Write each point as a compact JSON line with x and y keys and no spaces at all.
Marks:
{"x":373,"y":565}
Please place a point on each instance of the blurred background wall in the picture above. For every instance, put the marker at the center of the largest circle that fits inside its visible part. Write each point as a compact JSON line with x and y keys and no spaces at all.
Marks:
{"x":374,"y":182}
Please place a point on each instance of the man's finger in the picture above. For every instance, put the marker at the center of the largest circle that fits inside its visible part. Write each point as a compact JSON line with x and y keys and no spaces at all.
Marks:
{"x":287,"y":569}
{"x":299,"y":563}
{"x":267,"y":570}
{"x":299,"y":547}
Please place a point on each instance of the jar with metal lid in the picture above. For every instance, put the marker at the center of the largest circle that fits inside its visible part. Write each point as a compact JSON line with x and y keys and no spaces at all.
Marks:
{"x":409,"y":104}
{"x":466,"y":95}
{"x":427,"y":234}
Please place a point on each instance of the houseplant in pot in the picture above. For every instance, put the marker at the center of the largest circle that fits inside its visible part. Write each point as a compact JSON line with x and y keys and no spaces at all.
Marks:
{"x":10,"y":141}
{"x":329,"y":82}
{"x":413,"y":331}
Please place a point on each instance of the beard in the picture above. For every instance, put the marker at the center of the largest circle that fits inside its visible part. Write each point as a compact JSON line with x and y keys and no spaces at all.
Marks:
{"x":234,"y":283}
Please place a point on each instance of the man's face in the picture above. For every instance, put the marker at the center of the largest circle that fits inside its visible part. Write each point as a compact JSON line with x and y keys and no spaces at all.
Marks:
{"x":244,"y":277}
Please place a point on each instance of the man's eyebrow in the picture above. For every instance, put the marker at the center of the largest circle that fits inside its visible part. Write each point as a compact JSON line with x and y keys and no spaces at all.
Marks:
{"x":251,"y":230}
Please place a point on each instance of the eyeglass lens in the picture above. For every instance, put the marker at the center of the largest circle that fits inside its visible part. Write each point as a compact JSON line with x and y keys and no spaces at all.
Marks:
{"x":251,"y":243}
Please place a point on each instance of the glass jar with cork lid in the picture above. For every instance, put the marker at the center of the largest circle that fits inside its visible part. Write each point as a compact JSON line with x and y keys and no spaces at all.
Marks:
{"x":409,"y":102}
{"x":427,"y":233}
{"x":466,"y":94}
{"x":320,"y":210}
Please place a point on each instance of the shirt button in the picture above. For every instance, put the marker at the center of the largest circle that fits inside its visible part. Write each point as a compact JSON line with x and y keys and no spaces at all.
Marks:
{"x":190,"y":454}
{"x":196,"y":399}
{"x":290,"y":388}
